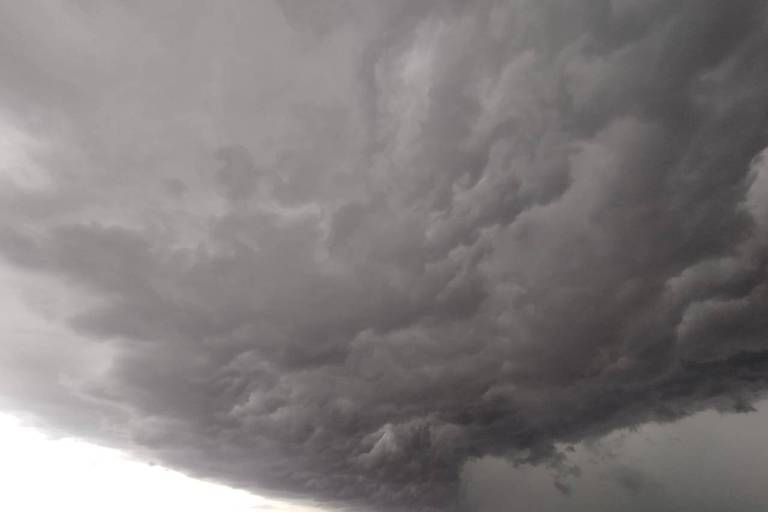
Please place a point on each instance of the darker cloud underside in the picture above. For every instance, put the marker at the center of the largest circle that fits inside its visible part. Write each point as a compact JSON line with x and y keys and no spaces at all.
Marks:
{"x":471,"y":228}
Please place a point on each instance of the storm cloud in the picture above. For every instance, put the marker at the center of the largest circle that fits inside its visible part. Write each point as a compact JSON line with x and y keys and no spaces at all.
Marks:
{"x":336,"y":249}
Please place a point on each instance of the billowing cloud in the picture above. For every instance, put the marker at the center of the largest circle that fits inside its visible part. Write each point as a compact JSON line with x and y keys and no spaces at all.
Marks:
{"x":335,"y":251}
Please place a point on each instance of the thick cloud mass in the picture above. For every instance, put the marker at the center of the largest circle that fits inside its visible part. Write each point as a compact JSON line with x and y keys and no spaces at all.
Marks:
{"x":333,"y":249}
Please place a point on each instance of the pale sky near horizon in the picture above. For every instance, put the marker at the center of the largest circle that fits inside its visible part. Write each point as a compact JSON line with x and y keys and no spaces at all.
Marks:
{"x":39,"y":473}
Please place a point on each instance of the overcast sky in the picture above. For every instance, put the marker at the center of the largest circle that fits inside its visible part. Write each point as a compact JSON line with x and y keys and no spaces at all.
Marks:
{"x":379,"y":255}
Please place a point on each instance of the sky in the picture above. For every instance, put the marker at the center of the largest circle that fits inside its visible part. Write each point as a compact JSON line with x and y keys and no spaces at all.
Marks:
{"x":390,"y":256}
{"x":626,"y":470}
{"x":706,"y":462}
{"x":40,"y":473}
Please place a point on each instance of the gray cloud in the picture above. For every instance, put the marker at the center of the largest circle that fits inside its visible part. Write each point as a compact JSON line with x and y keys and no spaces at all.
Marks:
{"x":699,"y":463}
{"x":334,"y":250}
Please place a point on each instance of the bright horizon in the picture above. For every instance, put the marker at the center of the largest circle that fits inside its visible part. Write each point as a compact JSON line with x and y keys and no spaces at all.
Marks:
{"x":42,"y":473}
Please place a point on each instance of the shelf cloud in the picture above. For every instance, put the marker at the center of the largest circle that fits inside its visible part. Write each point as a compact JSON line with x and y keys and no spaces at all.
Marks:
{"x":336,"y":249}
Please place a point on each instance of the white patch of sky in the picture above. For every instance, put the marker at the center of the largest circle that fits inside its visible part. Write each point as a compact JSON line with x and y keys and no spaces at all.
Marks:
{"x":39,"y":473}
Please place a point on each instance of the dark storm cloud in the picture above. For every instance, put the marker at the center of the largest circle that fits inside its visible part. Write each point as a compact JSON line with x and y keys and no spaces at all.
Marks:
{"x":340,"y":248}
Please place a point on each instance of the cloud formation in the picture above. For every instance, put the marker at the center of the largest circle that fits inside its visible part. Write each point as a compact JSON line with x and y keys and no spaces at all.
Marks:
{"x":334,"y":251}
{"x":702,"y":462}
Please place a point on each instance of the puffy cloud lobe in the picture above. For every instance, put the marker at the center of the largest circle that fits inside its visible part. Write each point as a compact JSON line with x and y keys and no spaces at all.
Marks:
{"x":411,"y":235}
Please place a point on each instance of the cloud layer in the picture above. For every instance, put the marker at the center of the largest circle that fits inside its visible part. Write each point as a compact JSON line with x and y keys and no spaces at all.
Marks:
{"x":705,"y":462}
{"x":335,"y":250}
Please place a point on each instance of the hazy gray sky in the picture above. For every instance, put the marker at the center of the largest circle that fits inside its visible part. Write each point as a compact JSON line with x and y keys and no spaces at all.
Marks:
{"x":707,"y":462}
{"x":334,"y":250}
